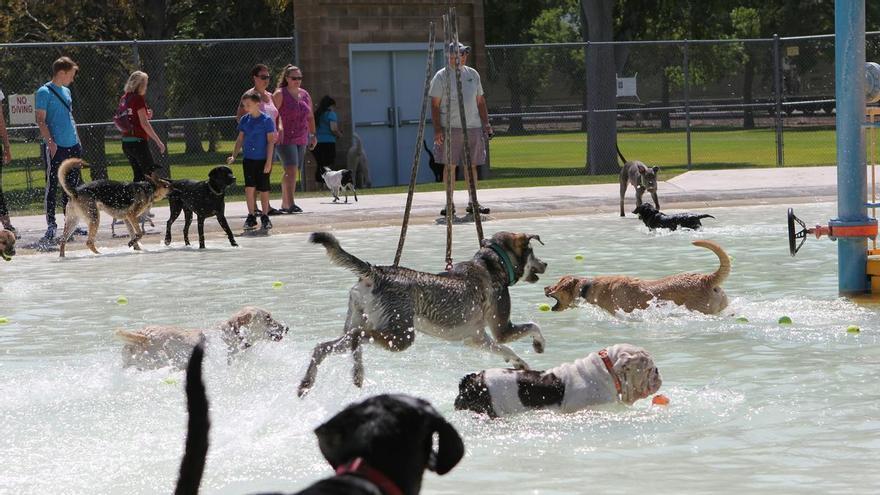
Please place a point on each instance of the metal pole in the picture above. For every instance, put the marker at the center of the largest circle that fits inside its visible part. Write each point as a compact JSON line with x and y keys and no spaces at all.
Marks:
{"x":135,"y":55}
{"x":293,"y":39}
{"x":777,"y":97}
{"x":687,"y":103}
{"x":849,"y":75}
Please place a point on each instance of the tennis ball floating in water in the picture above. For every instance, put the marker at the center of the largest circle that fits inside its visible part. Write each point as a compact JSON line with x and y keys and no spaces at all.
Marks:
{"x":4,"y":320}
{"x":544,"y":307}
{"x":849,"y":329}
{"x":277,"y":284}
{"x":784,"y":320}
{"x":121,"y":300}
{"x":579,"y":257}
{"x":742,"y":319}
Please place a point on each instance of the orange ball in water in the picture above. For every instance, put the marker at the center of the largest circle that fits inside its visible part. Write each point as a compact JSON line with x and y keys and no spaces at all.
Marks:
{"x":660,"y":400}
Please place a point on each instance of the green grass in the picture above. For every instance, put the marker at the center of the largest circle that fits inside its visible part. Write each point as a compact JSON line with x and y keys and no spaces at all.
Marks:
{"x":516,"y":161}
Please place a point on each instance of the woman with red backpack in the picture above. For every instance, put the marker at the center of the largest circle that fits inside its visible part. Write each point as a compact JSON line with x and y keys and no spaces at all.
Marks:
{"x":133,"y":121}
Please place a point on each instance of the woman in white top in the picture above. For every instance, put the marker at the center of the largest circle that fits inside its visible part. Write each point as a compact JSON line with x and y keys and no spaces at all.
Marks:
{"x":260,"y":75}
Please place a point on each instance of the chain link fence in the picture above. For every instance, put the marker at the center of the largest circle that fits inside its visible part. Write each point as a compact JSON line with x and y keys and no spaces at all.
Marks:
{"x":194,"y":89}
{"x":680,"y":104}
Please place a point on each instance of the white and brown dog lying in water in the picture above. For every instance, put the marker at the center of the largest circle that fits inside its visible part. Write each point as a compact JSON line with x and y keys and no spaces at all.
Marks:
{"x":696,"y":291}
{"x":621,"y":373}
{"x":159,"y":346}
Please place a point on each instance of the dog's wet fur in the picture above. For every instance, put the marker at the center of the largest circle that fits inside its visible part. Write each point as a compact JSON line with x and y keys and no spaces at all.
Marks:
{"x":390,"y":434}
{"x":126,"y":201}
{"x":7,"y":244}
{"x":389,"y":304}
{"x":654,"y":219}
{"x":205,"y":198}
{"x":696,"y":291}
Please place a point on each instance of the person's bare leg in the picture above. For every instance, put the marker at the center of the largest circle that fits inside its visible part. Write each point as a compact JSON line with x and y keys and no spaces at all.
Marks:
{"x":286,"y":189}
{"x":250,"y":197}
{"x":264,"y":201}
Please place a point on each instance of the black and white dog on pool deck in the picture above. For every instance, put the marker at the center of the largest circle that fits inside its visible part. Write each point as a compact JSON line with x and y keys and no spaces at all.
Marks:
{"x":338,"y":181}
{"x":621,"y":373}
{"x":380,"y":446}
{"x":389,"y":304}
{"x":655,"y":219}
{"x":206,"y":198}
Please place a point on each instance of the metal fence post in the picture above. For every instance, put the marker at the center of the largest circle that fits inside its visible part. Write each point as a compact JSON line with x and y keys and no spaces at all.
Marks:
{"x":777,"y":97}
{"x":136,"y":58}
{"x":589,"y":112}
{"x":293,"y":39}
{"x":687,"y":103}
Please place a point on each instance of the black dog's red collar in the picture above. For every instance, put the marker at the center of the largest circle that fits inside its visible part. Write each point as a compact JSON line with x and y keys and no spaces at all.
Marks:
{"x":610,"y":367}
{"x":360,"y":468}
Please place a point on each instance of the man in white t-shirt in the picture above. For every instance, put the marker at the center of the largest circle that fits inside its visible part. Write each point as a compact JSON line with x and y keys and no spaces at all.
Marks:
{"x":5,"y":158}
{"x":475,"y":112}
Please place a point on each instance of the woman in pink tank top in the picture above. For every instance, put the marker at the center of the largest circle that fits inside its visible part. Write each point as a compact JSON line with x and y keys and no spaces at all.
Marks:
{"x":260,"y":75}
{"x":296,"y":131}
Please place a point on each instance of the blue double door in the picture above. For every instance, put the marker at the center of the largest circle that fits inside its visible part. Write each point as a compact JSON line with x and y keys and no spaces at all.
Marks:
{"x":387,"y":82}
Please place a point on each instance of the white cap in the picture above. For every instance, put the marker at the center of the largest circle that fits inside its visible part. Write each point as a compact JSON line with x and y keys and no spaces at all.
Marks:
{"x":462,"y":48}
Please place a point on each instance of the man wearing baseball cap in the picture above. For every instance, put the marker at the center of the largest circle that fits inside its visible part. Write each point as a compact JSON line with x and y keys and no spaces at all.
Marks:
{"x":475,"y":112}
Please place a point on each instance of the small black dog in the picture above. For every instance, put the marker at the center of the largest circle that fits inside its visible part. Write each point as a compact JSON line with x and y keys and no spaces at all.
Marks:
{"x":654,"y":219}
{"x":381,"y":445}
{"x":437,"y":168}
{"x":205,"y":198}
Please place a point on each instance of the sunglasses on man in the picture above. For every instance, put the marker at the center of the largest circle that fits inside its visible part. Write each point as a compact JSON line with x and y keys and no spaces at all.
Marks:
{"x":264,"y":77}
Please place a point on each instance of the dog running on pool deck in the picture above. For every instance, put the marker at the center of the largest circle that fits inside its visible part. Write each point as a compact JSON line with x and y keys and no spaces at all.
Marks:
{"x":157,"y":346}
{"x":622,"y":372}
{"x":7,"y":244}
{"x":206,"y":198}
{"x":123,"y":200}
{"x":696,"y":291}
{"x":380,"y":446}
{"x":339,"y":180}
{"x":655,"y":219}
{"x":389,"y":304}
{"x":642,"y":178}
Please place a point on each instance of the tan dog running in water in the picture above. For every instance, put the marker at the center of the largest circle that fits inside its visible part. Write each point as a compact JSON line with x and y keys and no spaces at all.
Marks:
{"x":696,"y":291}
{"x":7,"y":244}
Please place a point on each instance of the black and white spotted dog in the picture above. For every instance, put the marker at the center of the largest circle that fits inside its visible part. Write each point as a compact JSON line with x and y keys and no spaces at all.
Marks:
{"x":339,"y":180}
{"x":621,"y":373}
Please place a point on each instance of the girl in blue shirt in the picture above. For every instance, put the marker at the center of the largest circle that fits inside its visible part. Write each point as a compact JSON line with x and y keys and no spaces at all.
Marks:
{"x":327,"y":132}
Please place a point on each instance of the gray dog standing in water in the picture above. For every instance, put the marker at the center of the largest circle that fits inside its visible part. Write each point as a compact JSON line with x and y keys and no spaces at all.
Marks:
{"x":642,"y":177}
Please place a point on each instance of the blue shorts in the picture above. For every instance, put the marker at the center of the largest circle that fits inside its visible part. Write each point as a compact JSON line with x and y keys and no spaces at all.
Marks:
{"x":292,"y":155}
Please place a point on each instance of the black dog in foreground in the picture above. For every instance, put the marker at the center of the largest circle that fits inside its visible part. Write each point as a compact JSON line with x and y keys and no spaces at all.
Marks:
{"x":381,"y":445}
{"x":437,"y":168}
{"x":654,"y":219}
{"x":206,"y":198}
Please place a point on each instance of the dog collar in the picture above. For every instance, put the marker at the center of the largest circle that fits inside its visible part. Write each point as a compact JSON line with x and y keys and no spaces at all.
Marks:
{"x":610,"y":367}
{"x":216,"y":193}
{"x":505,"y":260}
{"x":360,"y":468}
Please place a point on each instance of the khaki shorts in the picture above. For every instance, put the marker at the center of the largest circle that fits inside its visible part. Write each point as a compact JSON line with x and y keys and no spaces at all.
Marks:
{"x":476,"y":143}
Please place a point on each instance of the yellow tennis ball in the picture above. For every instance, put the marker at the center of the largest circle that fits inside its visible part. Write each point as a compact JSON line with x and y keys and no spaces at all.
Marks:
{"x":544,"y":307}
{"x":121,"y":300}
{"x":853,"y":329}
{"x":4,"y":320}
{"x":579,"y":257}
{"x":742,"y":319}
{"x":277,"y":284}
{"x":784,"y":320}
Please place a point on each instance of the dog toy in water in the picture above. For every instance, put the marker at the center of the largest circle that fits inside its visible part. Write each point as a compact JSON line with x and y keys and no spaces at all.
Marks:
{"x":544,"y":307}
{"x":277,"y":284}
{"x":742,"y":319}
{"x":579,"y":257}
{"x":660,"y":400}
{"x":784,"y":320}
{"x":4,"y":320}
{"x":849,"y":329}
{"x":121,"y":300}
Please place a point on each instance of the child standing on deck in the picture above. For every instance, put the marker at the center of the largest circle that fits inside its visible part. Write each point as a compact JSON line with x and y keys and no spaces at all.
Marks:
{"x":256,"y":135}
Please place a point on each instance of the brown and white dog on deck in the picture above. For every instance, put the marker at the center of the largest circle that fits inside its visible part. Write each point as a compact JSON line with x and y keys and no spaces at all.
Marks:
{"x":7,"y":244}
{"x":696,"y":291}
{"x":159,"y":346}
{"x":126,"y":201}
{"x":622,"y":372}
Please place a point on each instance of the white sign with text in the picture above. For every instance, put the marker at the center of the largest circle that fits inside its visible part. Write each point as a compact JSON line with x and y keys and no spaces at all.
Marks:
{"x":22,"y":110}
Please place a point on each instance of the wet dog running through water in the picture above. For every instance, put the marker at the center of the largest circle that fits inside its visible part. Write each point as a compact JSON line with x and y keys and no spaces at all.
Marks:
{"x":389,"y":304}
{"x":654,"y":219}
{"x":206,"y":198}
{"x":380,"y":446}
{"x":622,"y":372}
{"x":7,"y":244}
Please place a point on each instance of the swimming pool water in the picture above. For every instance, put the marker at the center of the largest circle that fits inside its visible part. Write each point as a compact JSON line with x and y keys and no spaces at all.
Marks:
{"x":754,"y":406}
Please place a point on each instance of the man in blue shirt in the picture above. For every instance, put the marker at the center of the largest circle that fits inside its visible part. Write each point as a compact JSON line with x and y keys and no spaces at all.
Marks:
{"x":54,"y":113}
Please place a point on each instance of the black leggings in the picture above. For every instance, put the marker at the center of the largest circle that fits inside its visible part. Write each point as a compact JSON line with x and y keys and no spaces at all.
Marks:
{"x":3,"y":210}
{"x":325,"y":156}
{"x":140,"y":158}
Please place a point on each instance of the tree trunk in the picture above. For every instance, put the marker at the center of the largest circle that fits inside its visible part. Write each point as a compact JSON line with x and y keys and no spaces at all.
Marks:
{"x":155,"y":24}
{"x":601,"y":89}
{"x":92,"y":141}
{"x":748,"y":78}
{"x":514,"y":86}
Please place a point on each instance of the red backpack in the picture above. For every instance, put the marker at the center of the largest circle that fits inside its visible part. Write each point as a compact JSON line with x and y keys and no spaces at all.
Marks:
{"x":122,"y":117}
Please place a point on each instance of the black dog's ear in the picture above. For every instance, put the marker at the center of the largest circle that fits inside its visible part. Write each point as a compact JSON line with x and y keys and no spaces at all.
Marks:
{"x":642,"y":168}
{"x":331,"y":441}
{"x":655,"y":169}
{"x":535,"y":237}
{"x":450,"y":448}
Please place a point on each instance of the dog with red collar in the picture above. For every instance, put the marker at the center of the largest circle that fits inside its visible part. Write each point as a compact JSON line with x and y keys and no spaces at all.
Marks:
{"x":620,"y":373}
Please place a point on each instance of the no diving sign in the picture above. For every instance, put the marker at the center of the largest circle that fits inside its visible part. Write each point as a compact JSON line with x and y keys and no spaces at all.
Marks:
{"x":21,"y":110}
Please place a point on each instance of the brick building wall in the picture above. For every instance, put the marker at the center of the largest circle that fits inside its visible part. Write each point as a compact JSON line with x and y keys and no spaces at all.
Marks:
{"x":326,"y":27}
